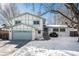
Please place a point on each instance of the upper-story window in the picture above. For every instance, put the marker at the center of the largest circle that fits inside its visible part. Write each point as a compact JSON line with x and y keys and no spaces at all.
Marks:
{"x":17,"y":22}
{"x":36,"y":22}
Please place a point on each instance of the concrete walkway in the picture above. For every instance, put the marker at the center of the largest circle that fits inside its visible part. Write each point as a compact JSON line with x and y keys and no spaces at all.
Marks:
{"x":8,"y":47}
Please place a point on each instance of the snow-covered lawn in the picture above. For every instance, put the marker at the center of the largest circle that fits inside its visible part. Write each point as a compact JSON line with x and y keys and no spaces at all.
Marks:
{"x":61,"y":46}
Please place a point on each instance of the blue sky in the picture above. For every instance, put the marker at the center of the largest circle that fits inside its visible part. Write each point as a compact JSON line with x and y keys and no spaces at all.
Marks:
{"x":23,"y":8}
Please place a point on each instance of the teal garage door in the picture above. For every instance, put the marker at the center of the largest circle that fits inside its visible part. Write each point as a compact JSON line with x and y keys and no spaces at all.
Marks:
{"x":22,"y":35}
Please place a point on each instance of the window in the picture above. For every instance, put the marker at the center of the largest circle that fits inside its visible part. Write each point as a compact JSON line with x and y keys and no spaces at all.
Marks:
{"x":55,"y":29}
{"x":17,"y":22}
{"x":36,"y":22}
{"x":39,"y":32}
{"x":62,"y":29}
{"x":46,"y":29}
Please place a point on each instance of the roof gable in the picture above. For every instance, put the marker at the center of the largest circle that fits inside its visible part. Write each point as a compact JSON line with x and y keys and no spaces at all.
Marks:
{"x":29,"y":14}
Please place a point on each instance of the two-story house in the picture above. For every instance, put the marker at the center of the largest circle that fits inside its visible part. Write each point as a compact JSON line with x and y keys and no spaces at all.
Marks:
{"x":26,"y":26}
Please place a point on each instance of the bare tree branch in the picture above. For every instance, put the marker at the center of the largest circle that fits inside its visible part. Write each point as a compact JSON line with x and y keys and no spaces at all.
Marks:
{"x":70,"y":25}
{"x":8,"y":12}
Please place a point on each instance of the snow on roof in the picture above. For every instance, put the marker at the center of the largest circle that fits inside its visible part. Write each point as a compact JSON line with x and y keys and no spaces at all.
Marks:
{"x":72,"y":29}
{"x":56,"y":26}
{"x":1,"y":26}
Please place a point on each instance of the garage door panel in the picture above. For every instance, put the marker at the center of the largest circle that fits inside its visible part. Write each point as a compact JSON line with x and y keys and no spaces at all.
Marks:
{"x":22,"y":35}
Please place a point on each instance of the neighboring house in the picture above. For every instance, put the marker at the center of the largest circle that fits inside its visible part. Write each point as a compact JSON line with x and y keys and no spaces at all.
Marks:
{"x":60,"y":27}
{"x":26,"y":27}
{"x":62,"y":21}
{"x":62,"y":30}
{"x":4,"y":33}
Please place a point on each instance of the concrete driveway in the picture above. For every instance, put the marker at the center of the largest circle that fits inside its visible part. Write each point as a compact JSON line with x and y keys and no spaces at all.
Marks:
{"x":8,"y":47}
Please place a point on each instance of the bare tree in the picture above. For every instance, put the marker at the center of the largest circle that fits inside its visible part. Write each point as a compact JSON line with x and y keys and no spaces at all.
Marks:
{"x":73,"y":17}
{"x":7,"y":12}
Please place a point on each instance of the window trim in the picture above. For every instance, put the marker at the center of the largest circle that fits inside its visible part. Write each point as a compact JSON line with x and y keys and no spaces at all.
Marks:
{"x":17,"y":21}
{"x":36,"y":22}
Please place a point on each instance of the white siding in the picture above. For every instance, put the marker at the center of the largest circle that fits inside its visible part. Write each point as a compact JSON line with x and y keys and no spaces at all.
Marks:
{"x":66,"y":33}
{"x":22,"y":28}
{"x":29,"y":19}
{"x":10,"y":34}
{"x":33,"y":34}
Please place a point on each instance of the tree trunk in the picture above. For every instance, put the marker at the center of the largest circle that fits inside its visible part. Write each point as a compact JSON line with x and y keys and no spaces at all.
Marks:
{"x":78,"y":35}
{"x":78,"y":39}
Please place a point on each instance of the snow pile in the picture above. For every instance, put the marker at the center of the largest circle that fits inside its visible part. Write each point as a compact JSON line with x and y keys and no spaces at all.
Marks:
{"x":33,"y":51}
{"x":61,"y":46}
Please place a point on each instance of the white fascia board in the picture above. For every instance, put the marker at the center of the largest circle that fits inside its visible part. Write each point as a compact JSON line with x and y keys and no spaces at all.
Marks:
{"x":55,"y":26}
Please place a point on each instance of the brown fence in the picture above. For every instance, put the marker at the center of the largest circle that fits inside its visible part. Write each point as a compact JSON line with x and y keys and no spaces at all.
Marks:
{"x":4,"y":35}
{"x":73,"y":33}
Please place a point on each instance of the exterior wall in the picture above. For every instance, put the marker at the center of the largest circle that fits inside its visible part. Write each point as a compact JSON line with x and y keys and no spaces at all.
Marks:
{"x":28,"y":19}
{"x":66,"y":33}
{"x":38,"y":35}
{"x":33,"y":34}
{"x":10,"y":34}
{"x":22,"y":28}
{"x":40,"y":27}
